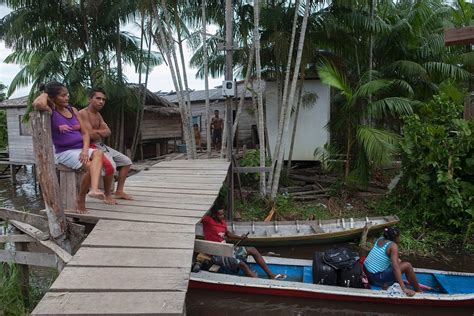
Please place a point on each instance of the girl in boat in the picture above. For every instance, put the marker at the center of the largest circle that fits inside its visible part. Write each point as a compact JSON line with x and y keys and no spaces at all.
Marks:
{"x":71,"y":140}
{"x":383,"y":266}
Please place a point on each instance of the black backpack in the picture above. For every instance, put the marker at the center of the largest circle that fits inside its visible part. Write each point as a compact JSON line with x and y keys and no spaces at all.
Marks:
{"x":339,"y":258}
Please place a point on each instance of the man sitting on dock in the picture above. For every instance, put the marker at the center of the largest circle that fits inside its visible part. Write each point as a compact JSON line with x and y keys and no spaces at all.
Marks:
{"x":215,"y":229}
{"x":98,"y":130}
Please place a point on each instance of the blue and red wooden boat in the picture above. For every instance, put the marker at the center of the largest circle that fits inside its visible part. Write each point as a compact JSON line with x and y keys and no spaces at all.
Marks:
{"x":448,"y":288}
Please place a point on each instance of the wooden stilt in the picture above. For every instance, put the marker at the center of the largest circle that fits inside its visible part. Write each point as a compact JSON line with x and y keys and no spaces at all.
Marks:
{"x":43,"y":147}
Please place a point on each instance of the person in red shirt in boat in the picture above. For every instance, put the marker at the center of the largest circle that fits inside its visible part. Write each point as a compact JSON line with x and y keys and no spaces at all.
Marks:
{"x":215,"y":229}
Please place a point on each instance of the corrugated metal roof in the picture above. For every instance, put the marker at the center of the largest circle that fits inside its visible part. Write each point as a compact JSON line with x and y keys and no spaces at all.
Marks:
{"x":200,"y":95}
{"x":14,"y":103}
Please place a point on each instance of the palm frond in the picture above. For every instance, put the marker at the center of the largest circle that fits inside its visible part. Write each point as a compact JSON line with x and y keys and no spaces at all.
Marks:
{"x":379,"y":145}
{"x":396,"y":106}
{"x":331,"y":76}
{"x":447,"y":71}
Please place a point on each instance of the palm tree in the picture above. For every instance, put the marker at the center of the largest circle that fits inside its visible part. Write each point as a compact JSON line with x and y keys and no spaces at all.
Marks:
{"x":368,"y":146}
{"x":291,"y":98}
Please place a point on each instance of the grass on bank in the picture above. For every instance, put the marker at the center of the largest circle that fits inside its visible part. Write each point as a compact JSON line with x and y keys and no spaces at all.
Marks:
{"x":12,"y":301}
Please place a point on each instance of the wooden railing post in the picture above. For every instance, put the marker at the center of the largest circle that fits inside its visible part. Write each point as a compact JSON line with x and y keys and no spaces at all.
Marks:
{"x":44,"y":155}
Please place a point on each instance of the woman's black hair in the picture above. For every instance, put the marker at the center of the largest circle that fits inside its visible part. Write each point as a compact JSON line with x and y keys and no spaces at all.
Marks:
{"x":391,"y":233}
{"x":52,"y":88}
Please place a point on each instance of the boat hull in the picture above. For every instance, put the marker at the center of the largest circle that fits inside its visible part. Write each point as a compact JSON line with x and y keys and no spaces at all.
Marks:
{"x":268,"y":234}
{"x":200,"y":284}
{"x":450,"y":288}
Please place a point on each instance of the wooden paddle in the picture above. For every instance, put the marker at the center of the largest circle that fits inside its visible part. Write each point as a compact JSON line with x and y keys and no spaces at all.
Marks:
{"x":241,"y":238}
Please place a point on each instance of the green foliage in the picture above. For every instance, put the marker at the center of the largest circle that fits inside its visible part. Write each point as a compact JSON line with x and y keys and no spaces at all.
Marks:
{"x":257,"y":208}
{"x":438,"y":166}
{"x":251,"y":159}
{"x":11,"y":300}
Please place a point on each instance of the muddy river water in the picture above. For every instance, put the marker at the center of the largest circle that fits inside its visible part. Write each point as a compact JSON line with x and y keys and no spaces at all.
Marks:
{"x":22,"y":196}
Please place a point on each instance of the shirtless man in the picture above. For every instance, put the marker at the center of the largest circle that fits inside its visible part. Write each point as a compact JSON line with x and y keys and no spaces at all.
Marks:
{"x":98,"y":130}
{"x":217,"y":125}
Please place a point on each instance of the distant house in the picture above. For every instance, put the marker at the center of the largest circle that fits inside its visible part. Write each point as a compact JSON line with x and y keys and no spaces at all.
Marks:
{"x":161,"y":123}
{"x":311,"y":132}
{"x":20,"y":142}
{"x":246,"y":133}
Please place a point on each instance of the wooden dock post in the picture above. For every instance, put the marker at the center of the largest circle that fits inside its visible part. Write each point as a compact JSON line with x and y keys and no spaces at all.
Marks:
{"x":44,"y":154}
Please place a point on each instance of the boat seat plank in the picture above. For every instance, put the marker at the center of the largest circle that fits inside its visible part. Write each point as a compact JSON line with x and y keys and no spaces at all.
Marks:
{"x":105,"y":279}
{"x":454,"y":284}
{"x":214,"y":248}
{"x":132,"y":257}
{"x":111,"y":303}
{"x":308,"y":275}
{"x":317,"y":229}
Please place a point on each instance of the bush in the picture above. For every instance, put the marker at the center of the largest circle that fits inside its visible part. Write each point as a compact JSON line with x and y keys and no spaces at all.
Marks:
{"x":438,"y":166}
{"x":251,"y":159}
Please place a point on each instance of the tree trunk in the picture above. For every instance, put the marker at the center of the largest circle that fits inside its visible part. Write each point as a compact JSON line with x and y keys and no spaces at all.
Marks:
{"x":118,"y":51}
{"x":206,"y":79}
{"x":258,"y":67}
{"x":175,"y":76}
{"x":299,"y":53}
{"x":46,"y":169}
{"x":284,"y":102}
{"x":185,"y":80}
{"x":141,"y":106}
{"x":295,"y":125}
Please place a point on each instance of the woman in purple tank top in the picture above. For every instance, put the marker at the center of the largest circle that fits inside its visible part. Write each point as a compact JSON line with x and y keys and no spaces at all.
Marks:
{"x":71,"y":140}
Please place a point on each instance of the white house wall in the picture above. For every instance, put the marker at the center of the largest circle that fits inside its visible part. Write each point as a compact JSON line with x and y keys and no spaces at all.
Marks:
{"x":311,"y":132}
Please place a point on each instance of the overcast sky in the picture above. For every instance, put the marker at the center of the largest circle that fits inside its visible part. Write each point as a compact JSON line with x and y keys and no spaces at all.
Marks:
{"x":159,"y":79}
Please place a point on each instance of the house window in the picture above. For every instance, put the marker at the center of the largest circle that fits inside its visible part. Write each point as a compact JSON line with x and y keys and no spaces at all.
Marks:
{"x":25,"y":128}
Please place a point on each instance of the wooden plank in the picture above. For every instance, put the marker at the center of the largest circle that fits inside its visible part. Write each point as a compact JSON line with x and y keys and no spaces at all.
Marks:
{"x":194,"y":172}
{"x":39,"y":235}
{"x":111,"y":303}
{"x":463,"y":35}
{"x":149,"y":206}
{"x":28,"y":258}
{"x":30,"y":230}
{"x":136,"y":239}
{"x":95,"y":215}
{"x":131,"y":257}
{"x":41,"y":222}
{"x":118,"y":226}
{"x":196,"y":213}
{"x":150,"y":183}
{"x":92,"y":279}
{"x":214,"y":248}
{"x":172,"y":190}
{"x":16,"y":238}
{"x":252,"y":169}
{"x":170,"y":197}
{"x":182,"y":179}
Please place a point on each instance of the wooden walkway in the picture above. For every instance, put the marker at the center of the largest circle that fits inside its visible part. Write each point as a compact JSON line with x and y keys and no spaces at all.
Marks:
{"x":138,"y":257}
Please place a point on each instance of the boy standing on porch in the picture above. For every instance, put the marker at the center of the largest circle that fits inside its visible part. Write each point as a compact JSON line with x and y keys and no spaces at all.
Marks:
{"x":98,"y":131}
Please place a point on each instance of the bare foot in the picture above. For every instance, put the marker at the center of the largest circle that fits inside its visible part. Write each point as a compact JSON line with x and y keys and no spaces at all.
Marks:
{"x":122,"y":195}
{"x":81,"y":206}
{"x":97,"y":195}
{"x":110,"y":200}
